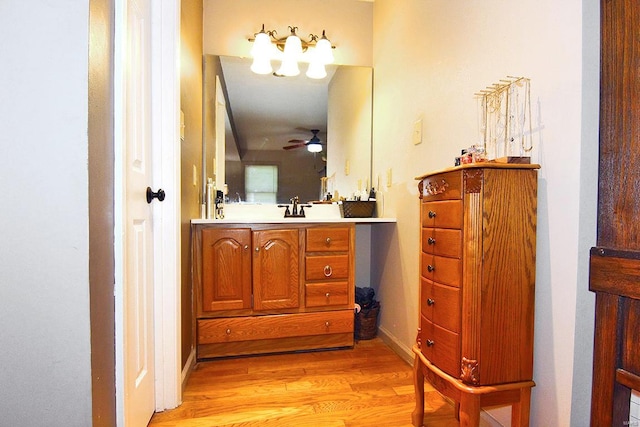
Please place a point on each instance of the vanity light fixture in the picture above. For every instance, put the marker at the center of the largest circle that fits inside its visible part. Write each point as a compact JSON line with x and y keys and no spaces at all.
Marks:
{"x":290,"y":50}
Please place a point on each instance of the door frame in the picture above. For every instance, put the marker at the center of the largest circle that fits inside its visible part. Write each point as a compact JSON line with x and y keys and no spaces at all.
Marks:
{"x":165,"y":125}
{"x":165,"y":137}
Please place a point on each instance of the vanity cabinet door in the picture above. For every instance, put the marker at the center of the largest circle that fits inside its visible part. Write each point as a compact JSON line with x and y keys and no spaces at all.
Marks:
{"x":275,"y":269}
{"x":226,"y":269}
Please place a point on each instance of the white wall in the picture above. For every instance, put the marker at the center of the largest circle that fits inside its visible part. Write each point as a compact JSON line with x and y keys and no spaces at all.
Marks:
{"x":44,"y":285}
{"x":429,"y":60}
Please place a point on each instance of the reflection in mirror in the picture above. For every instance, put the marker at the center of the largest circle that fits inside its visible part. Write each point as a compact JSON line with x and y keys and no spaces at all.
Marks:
{"x":270,"y":119}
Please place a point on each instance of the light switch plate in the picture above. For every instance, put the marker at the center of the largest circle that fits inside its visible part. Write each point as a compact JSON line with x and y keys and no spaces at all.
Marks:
{"x":417,"y":132}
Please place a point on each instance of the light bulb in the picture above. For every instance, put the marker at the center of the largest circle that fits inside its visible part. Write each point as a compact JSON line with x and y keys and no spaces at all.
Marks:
{"x":324,"y":51}
{"x":293,"y":47}
{"x":261,"y":45}
{"x":289,"y":68}
{"x":316,"y":70}
{"x":314,"y":147}
{"x":261,"y":65}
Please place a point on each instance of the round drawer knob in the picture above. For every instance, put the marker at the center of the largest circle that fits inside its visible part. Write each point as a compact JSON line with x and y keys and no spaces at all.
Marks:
{"x":328,"y":271}
{"x":430,"y":301}
{"x":257,"y":249}
{"x":430,"y":268}
{"x":327,"y":324}
{"x":328,"y":241}
{"x":228,"y":331}
{"x":430,"y":343}
{"x":246,"y":247}
{"x":431,"y":241}
{"x":327,"y":295}
{"x":432,"y":214}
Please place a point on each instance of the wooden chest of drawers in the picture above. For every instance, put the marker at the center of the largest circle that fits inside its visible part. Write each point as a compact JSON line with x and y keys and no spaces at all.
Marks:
{"x":477,"y":276}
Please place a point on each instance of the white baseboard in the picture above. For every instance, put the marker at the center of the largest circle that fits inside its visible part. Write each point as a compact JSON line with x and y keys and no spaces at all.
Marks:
{"x":188,"y":367}
{"x":406,"y":354}
{"x":400,"y":349}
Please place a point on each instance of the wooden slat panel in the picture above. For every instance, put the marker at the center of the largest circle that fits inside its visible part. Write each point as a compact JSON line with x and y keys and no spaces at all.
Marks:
{"x":614,"y":274}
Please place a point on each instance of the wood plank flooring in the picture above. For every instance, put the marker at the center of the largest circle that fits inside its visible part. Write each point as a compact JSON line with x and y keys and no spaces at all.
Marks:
{"x":368,"y":385}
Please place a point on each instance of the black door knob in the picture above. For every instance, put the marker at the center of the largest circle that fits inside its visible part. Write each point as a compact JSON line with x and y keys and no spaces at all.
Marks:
{"x":151,"y":195}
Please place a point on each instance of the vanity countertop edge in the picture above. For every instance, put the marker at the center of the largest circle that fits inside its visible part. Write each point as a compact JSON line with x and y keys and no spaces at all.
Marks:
{"x":295,"y":221}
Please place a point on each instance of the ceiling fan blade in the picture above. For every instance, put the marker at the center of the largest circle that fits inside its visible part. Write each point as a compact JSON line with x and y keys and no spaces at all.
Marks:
{"x":289,"y":147}
{"x":297,"y":141}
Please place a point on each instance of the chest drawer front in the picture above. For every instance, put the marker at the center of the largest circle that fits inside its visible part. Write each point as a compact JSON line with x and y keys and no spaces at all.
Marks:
{"x":447,"y":271}
{"x":441,"y":347}
{"x":441,"y":305}
{"x":327,"y":267}
{"x":326,"y":294}
{"x":444,"y":186}
{"x":441,"y":241}
{"x":327,"y":239}
{"x":234,"y":329}
{"x":445,"y":214}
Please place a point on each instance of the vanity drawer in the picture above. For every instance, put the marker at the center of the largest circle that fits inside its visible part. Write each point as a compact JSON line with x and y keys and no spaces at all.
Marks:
{"x":326,"y":294}
{"x":327,"y":239}
{"x":327,"y":267}
{"x":233,"y":329}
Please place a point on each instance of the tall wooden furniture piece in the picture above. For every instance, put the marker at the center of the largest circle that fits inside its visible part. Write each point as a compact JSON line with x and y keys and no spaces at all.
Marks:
{"x":615,"y":262}
{"x":264,"y":288}
{"x":478,"y":247}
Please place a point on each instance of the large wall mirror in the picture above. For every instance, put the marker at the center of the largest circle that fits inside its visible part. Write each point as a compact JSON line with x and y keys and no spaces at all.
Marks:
{"x":252,"y":121}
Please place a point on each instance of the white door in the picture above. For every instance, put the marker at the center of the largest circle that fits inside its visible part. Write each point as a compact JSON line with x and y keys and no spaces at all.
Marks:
{"x":138,"y":345}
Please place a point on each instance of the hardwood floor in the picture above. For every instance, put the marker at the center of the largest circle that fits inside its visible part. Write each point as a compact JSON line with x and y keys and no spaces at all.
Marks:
{"x":368,"y":385}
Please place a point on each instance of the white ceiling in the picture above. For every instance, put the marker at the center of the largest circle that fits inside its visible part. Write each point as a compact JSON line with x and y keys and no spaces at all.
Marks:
{"x":268,"y":110}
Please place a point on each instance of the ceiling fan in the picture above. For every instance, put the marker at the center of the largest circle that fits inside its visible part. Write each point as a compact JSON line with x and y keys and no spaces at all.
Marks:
{"x":314,"y":144}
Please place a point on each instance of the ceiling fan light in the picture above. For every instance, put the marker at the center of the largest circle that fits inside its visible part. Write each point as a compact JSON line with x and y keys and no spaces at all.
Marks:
{"x":314,"y":147}
{"x":316,"y":70}
{"x":324,"y":51}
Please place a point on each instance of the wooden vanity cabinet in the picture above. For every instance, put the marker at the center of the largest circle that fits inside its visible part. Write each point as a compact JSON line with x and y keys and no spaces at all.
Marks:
{"x":477,"y":277}
{"x":264,"y":288}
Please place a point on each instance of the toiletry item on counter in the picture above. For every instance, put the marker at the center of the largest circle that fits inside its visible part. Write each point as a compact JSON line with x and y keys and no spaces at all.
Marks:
{"x":219,"y":204}
{"x":372,"y":194}
{"x":211,"y":196}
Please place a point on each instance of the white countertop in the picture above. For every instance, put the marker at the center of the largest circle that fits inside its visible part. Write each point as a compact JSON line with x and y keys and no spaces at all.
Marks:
{"x":294,"y":221}
{"x":241,"y":213}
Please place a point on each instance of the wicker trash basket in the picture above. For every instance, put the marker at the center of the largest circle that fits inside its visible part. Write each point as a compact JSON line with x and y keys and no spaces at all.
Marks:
{"x":366,"y":324}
